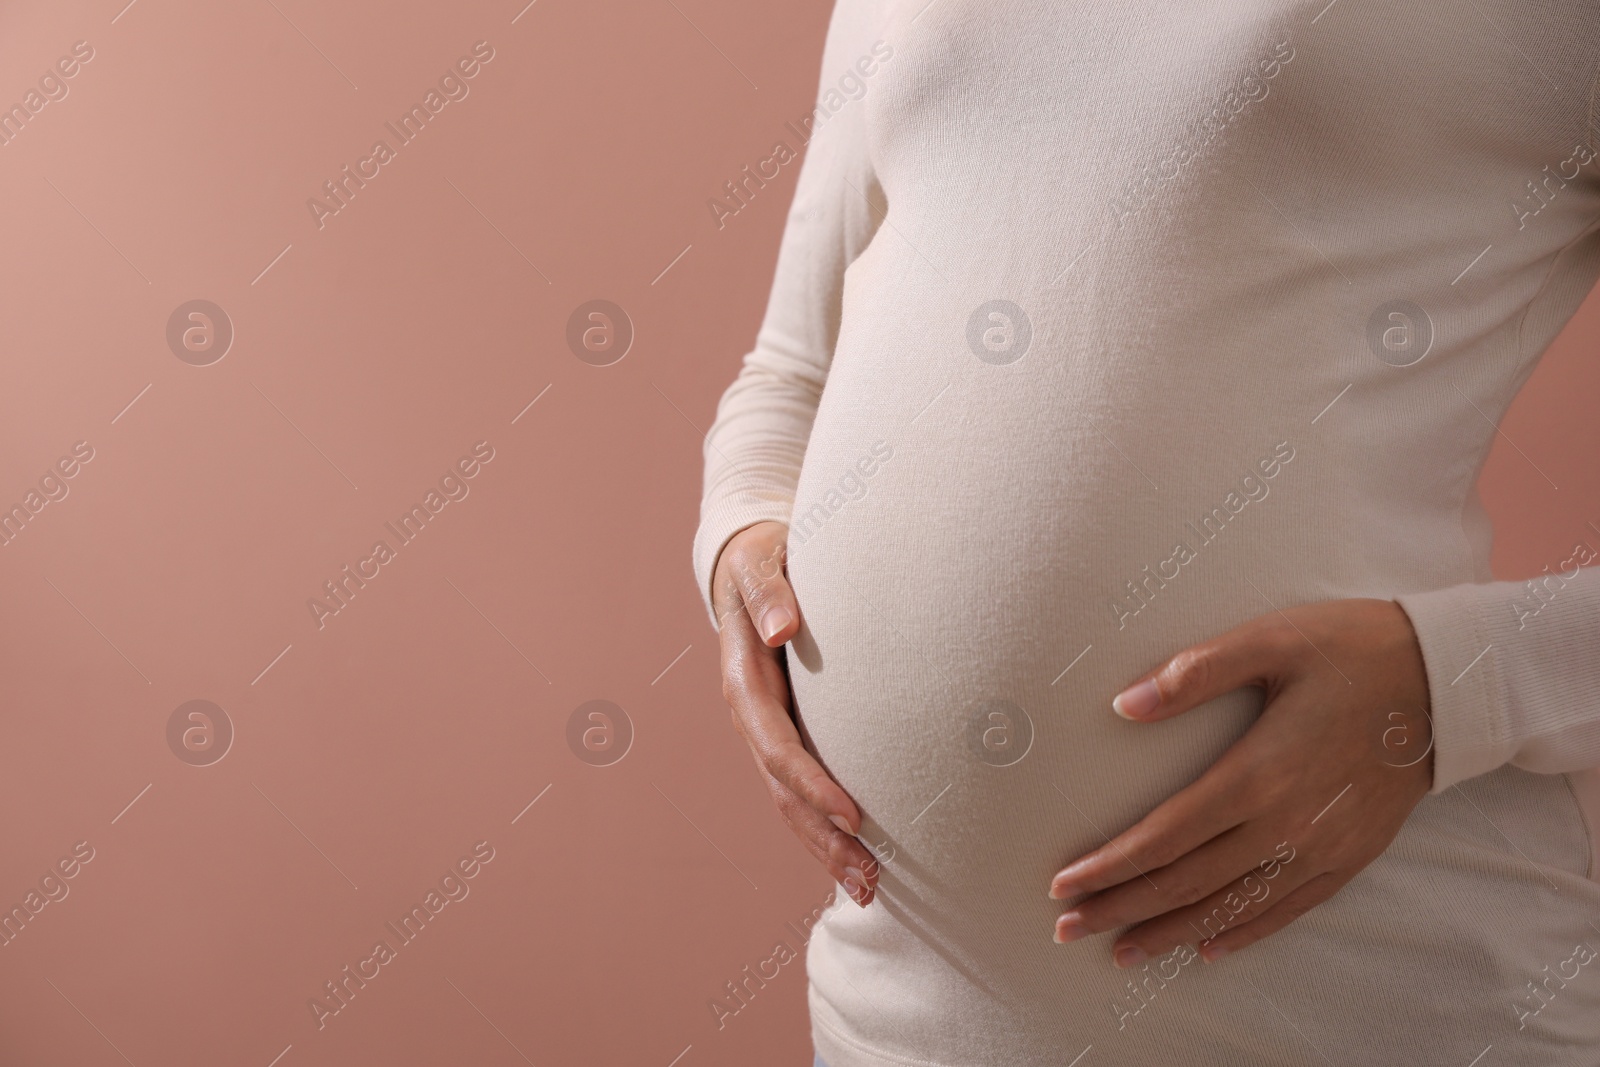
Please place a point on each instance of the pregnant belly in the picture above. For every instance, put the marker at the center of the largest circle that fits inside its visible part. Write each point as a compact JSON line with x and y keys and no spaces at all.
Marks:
{"x":954,"y":672}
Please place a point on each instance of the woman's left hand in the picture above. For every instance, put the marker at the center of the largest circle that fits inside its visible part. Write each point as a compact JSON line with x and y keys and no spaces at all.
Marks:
{"x":1311,"y":794}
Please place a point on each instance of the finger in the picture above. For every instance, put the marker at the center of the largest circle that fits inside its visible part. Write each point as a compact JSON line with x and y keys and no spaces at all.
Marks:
{"x":1287,"y":910}
{"x":1245,"y":900}
{"x":1192,"y":878}
{"x":754,"y":567}
{"x":1216,"y":802}
{"x":847,"y":860}
{"x":754,"y":685}
{"x":1258,"y":653}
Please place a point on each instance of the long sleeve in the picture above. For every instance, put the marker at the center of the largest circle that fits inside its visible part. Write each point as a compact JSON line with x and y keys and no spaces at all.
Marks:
{"x":754,"y":449}
{"x":1514,"y":671}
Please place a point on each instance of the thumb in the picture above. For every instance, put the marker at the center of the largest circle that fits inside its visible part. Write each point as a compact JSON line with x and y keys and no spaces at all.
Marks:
{"x":1255,"y":653}
{"x":755,"y":561}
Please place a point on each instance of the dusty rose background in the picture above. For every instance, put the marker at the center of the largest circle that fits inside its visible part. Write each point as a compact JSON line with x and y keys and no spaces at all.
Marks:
{"x":371,"y":755}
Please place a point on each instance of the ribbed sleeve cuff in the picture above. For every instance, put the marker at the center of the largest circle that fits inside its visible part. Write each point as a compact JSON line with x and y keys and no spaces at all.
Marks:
{"x":719,"y":521}
{"x":1471,"y":717}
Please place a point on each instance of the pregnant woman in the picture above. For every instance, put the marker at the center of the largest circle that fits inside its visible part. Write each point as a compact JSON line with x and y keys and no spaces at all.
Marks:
{"x":1093,"y":538}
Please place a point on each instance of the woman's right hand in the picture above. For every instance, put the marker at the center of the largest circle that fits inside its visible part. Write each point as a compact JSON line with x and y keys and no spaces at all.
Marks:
{"x":756,"y":614}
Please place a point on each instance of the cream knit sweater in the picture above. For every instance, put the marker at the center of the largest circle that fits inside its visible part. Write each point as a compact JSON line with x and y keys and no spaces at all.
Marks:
{"x":1097,"y":329}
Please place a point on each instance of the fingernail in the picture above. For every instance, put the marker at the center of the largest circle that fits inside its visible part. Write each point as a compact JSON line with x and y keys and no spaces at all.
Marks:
{"x":1061,"y":889}
{"x":774,"y":620}
{"x":853,"y":888}
{"x":838,"y":820}
{"x":860,"y":879}
{"x":1069,"y":930}
{"x":1138,"y":701}
{"x":1129,"y":956}
{"x":1214,"y":952}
